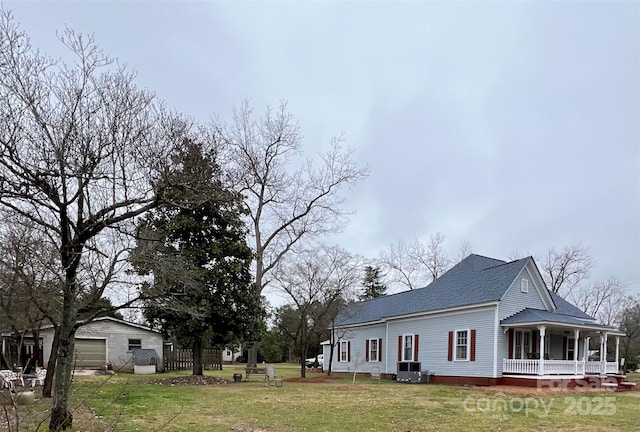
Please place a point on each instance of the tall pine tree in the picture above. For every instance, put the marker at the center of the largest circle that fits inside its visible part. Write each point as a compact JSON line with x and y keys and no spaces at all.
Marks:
{"x":194,"y":247}
{"x":372,"y":285}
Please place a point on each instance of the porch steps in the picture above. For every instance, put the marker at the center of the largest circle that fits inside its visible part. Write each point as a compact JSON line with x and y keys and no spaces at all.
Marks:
{"x":626,"y":385}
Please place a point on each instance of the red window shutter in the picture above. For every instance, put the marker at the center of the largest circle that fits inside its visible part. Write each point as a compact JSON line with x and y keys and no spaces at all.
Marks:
{"x":380,"y":350}
{"x":472,"y":356}
{"x":450,"y":353}
{"x":415,"y":347}
{"x":349,"y":351}
{"x":510,"y":343}
{"x":366,"y":350}
{"x":399,"y":348}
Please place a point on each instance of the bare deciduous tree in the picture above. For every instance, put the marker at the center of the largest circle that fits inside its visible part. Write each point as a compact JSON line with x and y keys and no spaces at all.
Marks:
{"x":517,"y":254}
{"x":630,"y":324}
{"x":564,"y":270}
{"x":401,"y":268}
{"x":603,"y":300}
{"x":414,"y":265}
{"x":79,"y":146}
{"x":286,"y":204}
{"x":432,"y":255}
{"x":464,"y":250}
{"x":314,"y":281}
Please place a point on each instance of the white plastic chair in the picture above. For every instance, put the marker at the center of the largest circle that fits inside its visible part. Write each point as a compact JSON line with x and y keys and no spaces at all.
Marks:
{"x":9,"y":377}
{"x":375,"y":373}
{"x":271,"y":378}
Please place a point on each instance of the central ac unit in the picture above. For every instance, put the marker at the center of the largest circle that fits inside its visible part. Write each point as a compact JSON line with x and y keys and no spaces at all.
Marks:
{"x":409,"y":372}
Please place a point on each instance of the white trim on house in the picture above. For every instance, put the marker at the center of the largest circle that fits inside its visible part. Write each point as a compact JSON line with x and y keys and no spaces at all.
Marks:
{"x":108,"y":318}
{"x":420,"y":315}
{"x":564,"y":325}
{"x":346,"y":343}
{"x":523,"y":350}
{"x":467,"y":345}
{"x":538,"y":284}
{"x":386,"y":349}
{"x":371,"y":351}
{"x":404,"y":346}
{"x":450,"y":311}
{"x":496,"y":334}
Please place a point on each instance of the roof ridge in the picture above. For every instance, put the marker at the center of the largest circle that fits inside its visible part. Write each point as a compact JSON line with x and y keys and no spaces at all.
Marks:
{"x":507,"y":263}
{"x":485,"y":257}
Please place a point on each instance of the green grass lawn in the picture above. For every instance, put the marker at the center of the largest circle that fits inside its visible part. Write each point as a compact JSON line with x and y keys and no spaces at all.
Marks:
{"x":125,"y":403}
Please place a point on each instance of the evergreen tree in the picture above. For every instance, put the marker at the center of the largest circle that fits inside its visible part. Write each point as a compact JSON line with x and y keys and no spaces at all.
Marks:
{"x":372,"y":284}
{"x":194,"y":246}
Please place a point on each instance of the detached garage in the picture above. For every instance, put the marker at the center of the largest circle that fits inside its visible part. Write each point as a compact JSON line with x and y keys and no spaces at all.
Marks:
{"x":109,"y":340}
{"x":90,"y":353}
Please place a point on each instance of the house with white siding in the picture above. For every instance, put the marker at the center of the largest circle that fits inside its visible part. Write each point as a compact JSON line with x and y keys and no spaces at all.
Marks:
{"x":484,"y":322}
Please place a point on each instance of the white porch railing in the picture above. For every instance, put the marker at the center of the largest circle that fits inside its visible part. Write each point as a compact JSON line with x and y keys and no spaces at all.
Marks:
{"x":526,"y":367}
{"x":594,"y":367}
{"x":551,"y":367}
{"x":563,"y":367}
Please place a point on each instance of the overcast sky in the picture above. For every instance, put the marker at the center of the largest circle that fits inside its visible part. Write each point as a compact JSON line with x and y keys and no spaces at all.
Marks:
{"x":513,"y":125}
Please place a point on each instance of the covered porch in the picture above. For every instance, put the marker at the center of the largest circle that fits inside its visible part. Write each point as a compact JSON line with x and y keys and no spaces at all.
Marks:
{"x":538,"y":350}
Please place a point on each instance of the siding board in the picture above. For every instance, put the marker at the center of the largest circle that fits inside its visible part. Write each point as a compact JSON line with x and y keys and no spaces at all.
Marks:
{"x":433,"y":332}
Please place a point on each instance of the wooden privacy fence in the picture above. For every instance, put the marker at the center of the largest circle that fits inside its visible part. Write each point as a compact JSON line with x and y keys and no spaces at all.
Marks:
{"x":182,"y":359}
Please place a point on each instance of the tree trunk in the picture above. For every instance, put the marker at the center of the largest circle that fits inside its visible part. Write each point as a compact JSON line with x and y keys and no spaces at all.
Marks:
{"x":61,"y":417}
{"x":303,"y":364}
{"x":303,"y":345}
{"x":332,"y":337}
{"x":51,"y":364}
{"x":196,"y":349}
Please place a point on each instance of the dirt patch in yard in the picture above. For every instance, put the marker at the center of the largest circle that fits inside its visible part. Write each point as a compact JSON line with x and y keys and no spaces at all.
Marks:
{"x":188,"y":380}
{"x":314,"y":380}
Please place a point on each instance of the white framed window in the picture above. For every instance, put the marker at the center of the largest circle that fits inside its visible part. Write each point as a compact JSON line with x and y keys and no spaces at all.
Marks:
{"x":373,"y":350}
{"x":135,"y":344}
{"x":407,"y":347}
{"x":461,"y":345}
{"x":344,"y":351}
{"x":571,"y":348}
{"x":524,"y":286}
{"x":521,"y":344}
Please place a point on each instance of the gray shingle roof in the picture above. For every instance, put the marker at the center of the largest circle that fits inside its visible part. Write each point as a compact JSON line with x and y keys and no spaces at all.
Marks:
{"x":474,"y":280}
{"x":537,"y":315}
{"x":566,"y":308}
{"x":529,"y":316}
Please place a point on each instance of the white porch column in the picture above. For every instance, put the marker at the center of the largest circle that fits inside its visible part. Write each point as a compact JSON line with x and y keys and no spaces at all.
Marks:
{"x":576,"y":346}
{"x":603,"y":353}
{"x":618,"y":353}
{"x":585,"y":352}
{"x":542,"y":330}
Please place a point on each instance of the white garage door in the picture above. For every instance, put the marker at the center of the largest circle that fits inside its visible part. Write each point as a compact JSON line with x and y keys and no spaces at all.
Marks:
{"x":90,"y":353}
